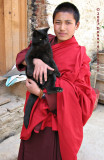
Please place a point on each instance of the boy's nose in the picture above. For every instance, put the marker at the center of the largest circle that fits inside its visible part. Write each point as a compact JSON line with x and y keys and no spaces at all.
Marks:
{"x":62,"y":27}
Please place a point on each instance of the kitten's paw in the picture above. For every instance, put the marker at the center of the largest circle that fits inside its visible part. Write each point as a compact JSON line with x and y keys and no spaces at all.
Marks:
{"x":59,"y":89}
{"x":54,"y":90}
{"x":57,"y":74}
{"x":29,"y":74}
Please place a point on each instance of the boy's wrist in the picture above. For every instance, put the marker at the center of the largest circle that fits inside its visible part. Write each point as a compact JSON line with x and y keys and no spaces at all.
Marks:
{"x":40,"y":93}
{"x":43,"y":96}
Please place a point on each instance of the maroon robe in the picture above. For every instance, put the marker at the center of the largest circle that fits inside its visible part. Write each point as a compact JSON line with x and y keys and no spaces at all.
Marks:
{"x":74,"y":105}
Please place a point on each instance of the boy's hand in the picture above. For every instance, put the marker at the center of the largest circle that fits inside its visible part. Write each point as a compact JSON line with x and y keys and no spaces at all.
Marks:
{"x":32,"y":87}
{"x":24,"y":63}
{"x":40,"y":69}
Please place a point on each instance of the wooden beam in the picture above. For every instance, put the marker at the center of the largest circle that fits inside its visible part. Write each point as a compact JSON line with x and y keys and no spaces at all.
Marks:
{"x":23,"y":23}
{"x":2,"y":39}
{"x":8,"y":33}
{"x":15,"y":30}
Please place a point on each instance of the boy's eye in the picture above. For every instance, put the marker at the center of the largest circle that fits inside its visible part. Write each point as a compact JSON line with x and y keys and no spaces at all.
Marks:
{"x":68,"y":22}
{"x":57,"y":22}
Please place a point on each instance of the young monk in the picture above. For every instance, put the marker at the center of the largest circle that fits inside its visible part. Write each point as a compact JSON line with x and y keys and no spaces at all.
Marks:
{"x":58,"y":135}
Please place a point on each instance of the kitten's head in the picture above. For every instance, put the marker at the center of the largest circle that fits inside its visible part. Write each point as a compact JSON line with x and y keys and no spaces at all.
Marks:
{"x":39,"y":35}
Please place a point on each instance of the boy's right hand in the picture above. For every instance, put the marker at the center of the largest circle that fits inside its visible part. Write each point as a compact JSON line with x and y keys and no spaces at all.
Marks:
{"x":24,"y":63}
{"x":40,"y":69}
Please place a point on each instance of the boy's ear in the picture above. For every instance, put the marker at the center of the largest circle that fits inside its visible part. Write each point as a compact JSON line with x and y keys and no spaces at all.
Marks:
{"x":77,"y":25}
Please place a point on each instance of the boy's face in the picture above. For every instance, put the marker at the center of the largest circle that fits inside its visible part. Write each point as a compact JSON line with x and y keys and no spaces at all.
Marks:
{"x":64,"y":26}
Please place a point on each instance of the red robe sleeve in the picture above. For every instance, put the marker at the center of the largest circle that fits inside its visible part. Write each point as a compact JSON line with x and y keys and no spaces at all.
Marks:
{"x":85,"y":93}
{"x":74,"y":107}
{"x":20,"y":58}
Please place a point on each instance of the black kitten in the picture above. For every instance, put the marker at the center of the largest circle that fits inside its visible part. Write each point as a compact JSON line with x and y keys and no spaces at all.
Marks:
{"x":40,"y":49}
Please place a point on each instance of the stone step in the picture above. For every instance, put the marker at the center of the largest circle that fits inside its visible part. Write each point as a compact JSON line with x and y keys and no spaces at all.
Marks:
{"x":18,"y":89}
{"x":3,"y":88}
{"x":100,"y":76}
{"x":98,"y":67}
{"x":101,"y":98}
{"x":4,"y":100}
{"x":93,"y":78}
{"x":9,"y":148}
{"x":11,"y":116}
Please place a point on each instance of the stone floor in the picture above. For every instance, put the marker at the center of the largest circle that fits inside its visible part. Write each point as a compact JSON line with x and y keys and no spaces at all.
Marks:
{"x":11,"y":115}
{"x":93,"y":142}
{"x":9,"y":148}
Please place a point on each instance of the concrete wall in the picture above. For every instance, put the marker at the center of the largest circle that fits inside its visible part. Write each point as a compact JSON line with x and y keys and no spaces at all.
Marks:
{"x":37,"y":15}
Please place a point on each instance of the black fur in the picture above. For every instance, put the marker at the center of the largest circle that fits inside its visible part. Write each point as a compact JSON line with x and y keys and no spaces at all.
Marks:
{"x":40,"y":49}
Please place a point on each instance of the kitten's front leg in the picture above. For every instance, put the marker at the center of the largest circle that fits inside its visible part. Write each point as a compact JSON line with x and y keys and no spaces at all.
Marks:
{"x":29,"y":71}
{"x":53,"y":65}
{"x":30,"y":65}
{"x":50,"y":85}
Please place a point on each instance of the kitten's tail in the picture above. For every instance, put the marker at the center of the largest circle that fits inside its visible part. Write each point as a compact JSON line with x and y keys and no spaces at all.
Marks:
{"x":30,"y":102}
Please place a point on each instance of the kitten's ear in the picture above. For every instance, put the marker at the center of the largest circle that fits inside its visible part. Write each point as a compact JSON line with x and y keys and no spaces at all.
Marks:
{"x":46,"y":29}
{"x":43,"y":30}
{"x":34,"y":32}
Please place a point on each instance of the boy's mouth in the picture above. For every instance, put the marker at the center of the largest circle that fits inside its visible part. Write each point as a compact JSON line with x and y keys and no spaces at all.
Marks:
{"x":62,"y":34}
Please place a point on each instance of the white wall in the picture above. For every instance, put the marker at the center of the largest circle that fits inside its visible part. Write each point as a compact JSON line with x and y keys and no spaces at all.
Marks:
{"x":86,"y":35}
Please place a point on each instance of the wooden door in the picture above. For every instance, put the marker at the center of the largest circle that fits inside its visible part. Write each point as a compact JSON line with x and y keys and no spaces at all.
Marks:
{"x":13,"y":31}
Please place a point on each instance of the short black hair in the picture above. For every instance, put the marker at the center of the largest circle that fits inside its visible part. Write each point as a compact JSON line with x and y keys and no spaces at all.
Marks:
{"x":67,"y":7}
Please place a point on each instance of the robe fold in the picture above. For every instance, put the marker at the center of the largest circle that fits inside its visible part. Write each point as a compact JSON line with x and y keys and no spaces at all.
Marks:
{"x":74,"y":105}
